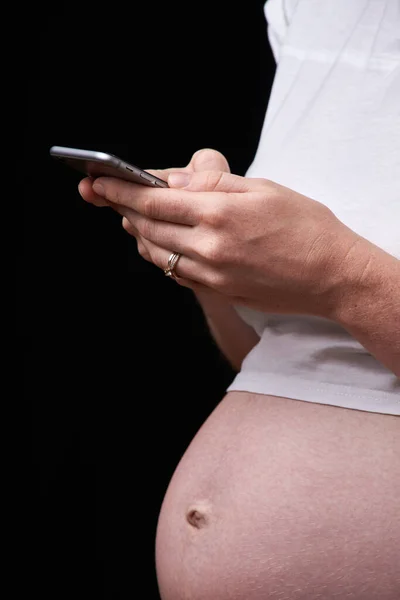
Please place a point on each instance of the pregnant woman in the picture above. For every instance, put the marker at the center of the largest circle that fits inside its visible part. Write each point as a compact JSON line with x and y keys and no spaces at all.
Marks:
{"x":291,"y":489}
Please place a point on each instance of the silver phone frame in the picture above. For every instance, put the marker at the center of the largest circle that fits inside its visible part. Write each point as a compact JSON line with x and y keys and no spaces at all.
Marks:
{"x":97,"y":164}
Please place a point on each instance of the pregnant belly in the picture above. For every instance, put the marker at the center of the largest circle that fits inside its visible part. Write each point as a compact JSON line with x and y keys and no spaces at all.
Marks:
{"x":277,"y":498}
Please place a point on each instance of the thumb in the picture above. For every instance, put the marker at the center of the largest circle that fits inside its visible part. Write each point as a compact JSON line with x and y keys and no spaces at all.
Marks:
{"x":202,"y":160}
{"x":209,"y":160}
{"x":208,"y":171}
{"x":214,"y":181}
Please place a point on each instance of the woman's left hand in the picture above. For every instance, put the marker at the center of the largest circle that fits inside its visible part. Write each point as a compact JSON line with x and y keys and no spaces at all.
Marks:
{"x":256,"y":242}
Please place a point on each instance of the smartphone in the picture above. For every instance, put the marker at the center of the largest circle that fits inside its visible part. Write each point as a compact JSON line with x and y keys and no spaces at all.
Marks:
{"x":96,"y":164}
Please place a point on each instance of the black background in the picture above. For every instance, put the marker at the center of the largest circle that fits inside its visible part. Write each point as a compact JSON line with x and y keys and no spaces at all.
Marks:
{"x":120,"y":370}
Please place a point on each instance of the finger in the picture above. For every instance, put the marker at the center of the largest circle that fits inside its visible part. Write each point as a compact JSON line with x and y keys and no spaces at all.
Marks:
{"x":85,"y":189}
{"x":127,"y":213}
{"x":162,"y":204}
{"x":164,"y":173}
{"x":136,"y":224}
{"x":191,"y":271}
{"x":205,"y":159}
{"x":215,"y":181}
{"x":164,"y":234}
{"x":202,"y":160}
{"x":208,"y":159}
{"x":129,"y":228}
{"x":146,"y":248}
{"x":159,"y":257}
{"x":186,"y":269}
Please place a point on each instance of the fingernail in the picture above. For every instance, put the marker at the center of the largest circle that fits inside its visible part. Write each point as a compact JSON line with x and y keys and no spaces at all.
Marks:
{"x":178,"y":180}
{"x":98,"y":188}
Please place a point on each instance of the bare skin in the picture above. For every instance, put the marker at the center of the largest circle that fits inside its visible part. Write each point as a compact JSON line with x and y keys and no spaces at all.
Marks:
{"x":278,"y":498}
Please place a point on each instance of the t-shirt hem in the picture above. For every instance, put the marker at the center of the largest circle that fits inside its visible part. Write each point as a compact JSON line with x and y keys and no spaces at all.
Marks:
{"x":307,"y":391}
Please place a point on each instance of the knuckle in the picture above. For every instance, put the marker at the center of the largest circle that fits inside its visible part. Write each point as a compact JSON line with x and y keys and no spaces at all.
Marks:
{"x":144,"y":227}
{"x":150,"y":208}
{"x":216,"y":280}
{"x":208,"y":250}
{"x":213,"y":178}
{"x":148,"y":229}
{"x":116,"y":196}
{"x":214,"y":216}
{"x":179,"y":208}
{"x":213,"y":251}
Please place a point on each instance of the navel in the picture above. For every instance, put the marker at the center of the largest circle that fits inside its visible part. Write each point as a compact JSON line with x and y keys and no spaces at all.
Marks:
{"x":198,"y":515}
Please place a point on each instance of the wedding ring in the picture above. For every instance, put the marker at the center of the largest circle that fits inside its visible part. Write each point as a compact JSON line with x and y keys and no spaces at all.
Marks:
{"x":173,"y":259}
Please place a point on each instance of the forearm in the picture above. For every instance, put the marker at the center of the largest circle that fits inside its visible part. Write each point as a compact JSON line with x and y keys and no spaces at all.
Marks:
{"x":233,"y":336}
{"x":368,"y":304}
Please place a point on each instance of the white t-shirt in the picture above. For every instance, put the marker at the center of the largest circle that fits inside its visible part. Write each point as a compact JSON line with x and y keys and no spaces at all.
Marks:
{"x":331,"y":132}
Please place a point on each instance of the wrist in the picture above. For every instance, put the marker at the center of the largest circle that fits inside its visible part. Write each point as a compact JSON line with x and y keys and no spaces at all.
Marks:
{"x":365,"y":271}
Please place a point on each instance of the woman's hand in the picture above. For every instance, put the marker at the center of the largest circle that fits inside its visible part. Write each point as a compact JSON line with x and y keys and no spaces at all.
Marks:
{"x":202,"y":160}
{"x":255,"y":242}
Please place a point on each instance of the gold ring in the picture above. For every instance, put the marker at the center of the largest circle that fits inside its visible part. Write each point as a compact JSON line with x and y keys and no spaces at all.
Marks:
{"x":173,"y":259}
